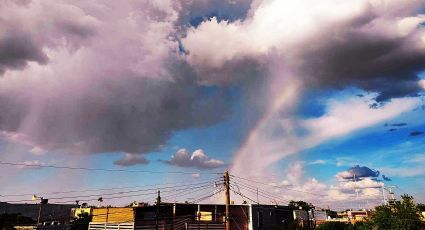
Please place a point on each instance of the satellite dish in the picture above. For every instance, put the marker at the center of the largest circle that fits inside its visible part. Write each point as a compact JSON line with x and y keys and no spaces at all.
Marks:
{"x":34,"y":197}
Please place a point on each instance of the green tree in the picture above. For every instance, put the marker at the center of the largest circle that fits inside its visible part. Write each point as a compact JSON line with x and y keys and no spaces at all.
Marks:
{"x":402,"y":215}
{"x":333,"y":226}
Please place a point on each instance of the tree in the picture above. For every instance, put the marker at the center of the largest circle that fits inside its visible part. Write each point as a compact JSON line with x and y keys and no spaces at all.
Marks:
{"x":421,"y":207}
{"x":82,"y":222}
{"x":297,"y":204}
{"x":403,"y":215}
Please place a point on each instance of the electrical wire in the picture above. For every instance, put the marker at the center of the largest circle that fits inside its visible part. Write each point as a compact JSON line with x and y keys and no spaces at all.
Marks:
{"x":206,"y":197}
{"x":187,"y":187}
{"x":102,"y":169}
{"x":95,"y":189}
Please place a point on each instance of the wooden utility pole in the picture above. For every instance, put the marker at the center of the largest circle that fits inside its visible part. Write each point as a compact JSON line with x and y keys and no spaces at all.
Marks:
{"x":39,"y":212}
{"x":227,"y":189}
{"x":158,"y":205}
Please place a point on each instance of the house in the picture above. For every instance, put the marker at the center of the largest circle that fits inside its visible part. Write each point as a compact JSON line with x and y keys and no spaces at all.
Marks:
{"x":356,"y":216}
{"x":49,"y":212}
{"x":200,"y":216}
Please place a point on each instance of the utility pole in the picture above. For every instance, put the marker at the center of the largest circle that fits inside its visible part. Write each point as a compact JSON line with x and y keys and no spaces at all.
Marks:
{"x":391,"y":199}
{"x":158,"y":203}
{"x":227,"y":189}
{"x":39,"y":211}
{"x":383,"y":195}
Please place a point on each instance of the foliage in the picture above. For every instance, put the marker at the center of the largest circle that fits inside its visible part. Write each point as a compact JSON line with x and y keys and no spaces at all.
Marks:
{"x":7,"y":221}
{"x":361,"y":226}
{"x":333,"y":226}
{"x":403,"y":215}
{"x":297,"y":204}
{"x":82,"y":222}
{"x":345,"y":226}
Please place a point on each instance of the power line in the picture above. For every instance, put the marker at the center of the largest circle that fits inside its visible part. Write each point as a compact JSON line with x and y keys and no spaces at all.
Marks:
{"x":133,"y":195}
{"x":208,"y":196}
{"x":262,"y":194}
{"x":185,"y":192}
{"x":191,"y":186}
{"x":243,"y":196}
{"x":277,"y":186}
{"x":102,"y":169}
{"x":99,"y":189}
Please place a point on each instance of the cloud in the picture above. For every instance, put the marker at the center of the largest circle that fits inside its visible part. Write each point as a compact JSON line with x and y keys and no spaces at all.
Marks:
{"x":198,"y":159}
{"x":97,"y":77}
{"x":357,"y":173}
{"x":362,"y":43}
{"x":17,"y":49}
{"x":399,"y":124}
{"x":196,"y":175}
{"x":412,"y":166}
{"x":410,"y":171}
{"x":385,"y":178}
{"x":422,"y":83}
{"x":37,"y":151}
{"x":416,"y":133}
{"x":296,"y":186}
{"x":129,"y":159}
{"x":33,"y":163}
{"x":294,"y":46}
{"x":341,"y":117}
{"x":417,"y":158}
{"x":318,"y":162}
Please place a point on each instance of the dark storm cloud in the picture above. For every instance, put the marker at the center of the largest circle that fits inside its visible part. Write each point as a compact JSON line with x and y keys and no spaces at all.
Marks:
{"x":24,"y":34}
{"x":114,"y":83}
{"x":358,"y":172}
{"x":399,"y":124}
{"x":377,"y":48}
{"x":135,"y":115}
{"x":17,"y":49}
{"x":385,"y":178}
{"x":416,"y":133}
{"x":384,"y":64}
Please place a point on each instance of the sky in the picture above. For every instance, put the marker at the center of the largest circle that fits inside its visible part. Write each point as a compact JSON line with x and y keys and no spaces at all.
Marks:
{"x":315,"y":100}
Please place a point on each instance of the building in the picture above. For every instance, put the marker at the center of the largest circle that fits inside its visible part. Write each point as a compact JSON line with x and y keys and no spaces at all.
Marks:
{"x":49,"y":212}
{"x":200,"y":216}
{"x":356,"y":216}
{"x":77,"y":212}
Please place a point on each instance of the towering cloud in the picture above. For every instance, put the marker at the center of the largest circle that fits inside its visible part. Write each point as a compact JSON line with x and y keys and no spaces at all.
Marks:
{"x":104,"y":76}
{"x":96,"y":76}
{"x":198,"y":159}
{"x":377,"y":46}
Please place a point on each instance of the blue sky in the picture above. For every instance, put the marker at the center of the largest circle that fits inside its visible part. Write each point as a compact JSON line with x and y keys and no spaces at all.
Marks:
{"x":283,"y":92}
